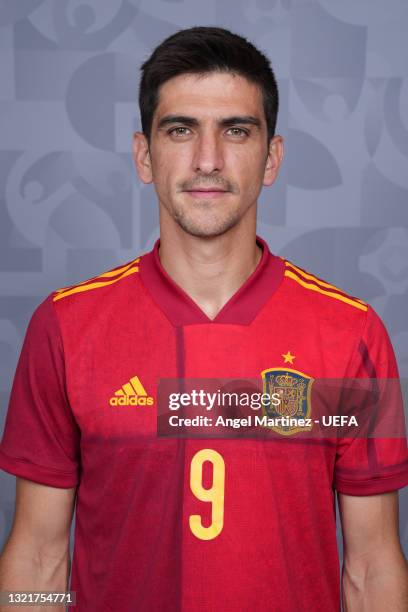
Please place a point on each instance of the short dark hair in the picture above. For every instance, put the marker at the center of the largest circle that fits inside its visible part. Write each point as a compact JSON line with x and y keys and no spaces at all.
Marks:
{"x":202,"y":50}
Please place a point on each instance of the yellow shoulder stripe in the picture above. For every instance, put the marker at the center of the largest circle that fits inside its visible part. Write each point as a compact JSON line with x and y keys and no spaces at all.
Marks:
{"x":336,"y":296}
{"x":306,"y":275}
{"x":101,"y":283}
{"x":107,"y":274}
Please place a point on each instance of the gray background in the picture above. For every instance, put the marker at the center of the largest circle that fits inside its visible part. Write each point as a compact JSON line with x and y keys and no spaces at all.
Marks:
{"x":71,"y":205}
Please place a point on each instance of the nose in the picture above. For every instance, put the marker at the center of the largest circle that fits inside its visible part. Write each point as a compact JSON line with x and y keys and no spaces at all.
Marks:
{"x":208,"y":157}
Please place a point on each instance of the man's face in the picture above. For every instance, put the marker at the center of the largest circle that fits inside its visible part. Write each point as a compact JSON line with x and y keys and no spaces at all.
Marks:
{"x":208,"y":153}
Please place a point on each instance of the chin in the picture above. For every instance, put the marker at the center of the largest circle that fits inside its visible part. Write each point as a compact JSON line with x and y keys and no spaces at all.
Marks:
{"x":205,"y":229}
{"x":204,"y":219}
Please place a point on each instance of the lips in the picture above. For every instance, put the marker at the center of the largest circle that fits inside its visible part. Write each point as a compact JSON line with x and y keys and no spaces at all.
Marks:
{"x":206,"y":193}
{"x":206,"y":190}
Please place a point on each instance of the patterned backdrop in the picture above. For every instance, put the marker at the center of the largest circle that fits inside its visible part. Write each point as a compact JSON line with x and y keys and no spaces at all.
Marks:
{"x":71,"y":205}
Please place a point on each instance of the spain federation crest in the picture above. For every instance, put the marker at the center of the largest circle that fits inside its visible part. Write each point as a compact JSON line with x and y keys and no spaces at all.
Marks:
{"x":294,"y":389}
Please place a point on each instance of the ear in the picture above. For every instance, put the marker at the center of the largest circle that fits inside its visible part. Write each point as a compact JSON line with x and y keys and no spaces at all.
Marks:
{"x":141,"y":156}
{"x":274,"y":160}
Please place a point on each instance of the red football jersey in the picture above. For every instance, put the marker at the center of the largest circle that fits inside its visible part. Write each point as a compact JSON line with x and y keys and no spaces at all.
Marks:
{"x":195,"y":524}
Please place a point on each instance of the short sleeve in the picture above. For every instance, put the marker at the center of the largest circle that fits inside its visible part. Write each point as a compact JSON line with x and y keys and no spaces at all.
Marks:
{"x":41,"y":437}
{"x":377,"y":464}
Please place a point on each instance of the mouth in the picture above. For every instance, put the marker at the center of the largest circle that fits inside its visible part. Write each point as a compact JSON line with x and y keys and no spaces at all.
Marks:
{"x":206,"y":193}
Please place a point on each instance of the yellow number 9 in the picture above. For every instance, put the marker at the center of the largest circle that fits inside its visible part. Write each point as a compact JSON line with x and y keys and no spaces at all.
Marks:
{"x":215,"y":494}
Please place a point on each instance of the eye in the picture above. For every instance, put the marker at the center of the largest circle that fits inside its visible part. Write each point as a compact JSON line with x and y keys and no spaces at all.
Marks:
{"x":179,"y":131}
{"x":237,"y":131}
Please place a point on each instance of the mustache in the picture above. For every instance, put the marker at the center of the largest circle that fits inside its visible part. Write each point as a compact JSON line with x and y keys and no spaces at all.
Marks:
{"x":206,"y":183}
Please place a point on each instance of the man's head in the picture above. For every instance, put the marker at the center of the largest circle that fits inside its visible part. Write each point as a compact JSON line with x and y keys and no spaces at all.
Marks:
{"x":208,"y":100}
{"x":203,"y":50}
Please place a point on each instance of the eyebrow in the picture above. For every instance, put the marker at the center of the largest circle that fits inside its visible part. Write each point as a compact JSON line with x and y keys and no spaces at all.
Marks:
{"x":193,"y":122}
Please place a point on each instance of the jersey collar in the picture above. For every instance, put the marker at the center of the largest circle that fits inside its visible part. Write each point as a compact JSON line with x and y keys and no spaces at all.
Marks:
{"x":240,"y":309}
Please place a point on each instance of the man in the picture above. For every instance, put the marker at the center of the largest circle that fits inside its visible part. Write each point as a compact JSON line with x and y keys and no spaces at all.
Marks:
{"x":184,"y":523}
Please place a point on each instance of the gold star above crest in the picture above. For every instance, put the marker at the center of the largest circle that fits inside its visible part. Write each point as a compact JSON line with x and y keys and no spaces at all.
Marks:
{"x":288,"y":357}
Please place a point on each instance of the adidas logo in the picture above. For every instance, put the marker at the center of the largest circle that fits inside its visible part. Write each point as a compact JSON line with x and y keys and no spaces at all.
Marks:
{"x":132,"y":393}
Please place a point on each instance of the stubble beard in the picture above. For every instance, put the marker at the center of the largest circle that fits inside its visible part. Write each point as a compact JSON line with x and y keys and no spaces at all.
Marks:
{"x":202,"y":218}
{"x":213,"y":225}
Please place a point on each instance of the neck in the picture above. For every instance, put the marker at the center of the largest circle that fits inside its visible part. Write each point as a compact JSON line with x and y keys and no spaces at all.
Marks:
{"x":210,"y":270}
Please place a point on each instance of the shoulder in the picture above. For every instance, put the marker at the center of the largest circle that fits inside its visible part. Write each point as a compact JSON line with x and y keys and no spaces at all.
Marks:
{"x":312,"y":288}
{"x":83,"y":298}
{"x":97,"y":286}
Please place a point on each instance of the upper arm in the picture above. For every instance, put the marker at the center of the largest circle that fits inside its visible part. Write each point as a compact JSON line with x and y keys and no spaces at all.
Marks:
{"x":42,"y":517}
{"x":370,"y":526}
